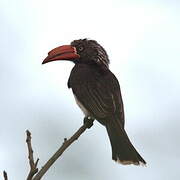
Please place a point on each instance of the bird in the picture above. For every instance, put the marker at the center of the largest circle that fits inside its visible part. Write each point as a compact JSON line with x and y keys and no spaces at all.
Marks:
{"x":97,"y":92}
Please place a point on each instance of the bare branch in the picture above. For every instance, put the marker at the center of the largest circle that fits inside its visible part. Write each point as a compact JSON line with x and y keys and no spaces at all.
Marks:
{"x":33,"y":165}
{"x":65,"y":145}
{"x":5,"y":175}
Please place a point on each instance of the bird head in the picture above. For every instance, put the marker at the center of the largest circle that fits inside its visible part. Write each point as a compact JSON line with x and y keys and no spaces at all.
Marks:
{"x":80,"y":51}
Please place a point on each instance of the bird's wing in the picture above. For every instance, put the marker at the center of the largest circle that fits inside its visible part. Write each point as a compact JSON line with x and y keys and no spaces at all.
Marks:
{"x":101,"y":97}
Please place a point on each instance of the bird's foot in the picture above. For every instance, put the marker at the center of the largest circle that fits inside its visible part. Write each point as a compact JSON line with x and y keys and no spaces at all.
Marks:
{"x":88,"y":121}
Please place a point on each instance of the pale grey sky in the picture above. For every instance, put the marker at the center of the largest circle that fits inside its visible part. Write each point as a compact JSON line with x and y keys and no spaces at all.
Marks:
{"x":142,"y":39}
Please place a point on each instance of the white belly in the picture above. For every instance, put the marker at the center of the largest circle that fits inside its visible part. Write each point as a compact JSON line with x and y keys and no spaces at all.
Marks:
{"x":84,"y":110}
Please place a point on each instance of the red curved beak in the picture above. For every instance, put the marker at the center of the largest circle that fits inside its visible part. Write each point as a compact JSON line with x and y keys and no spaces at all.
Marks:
{"x":65,"y":52}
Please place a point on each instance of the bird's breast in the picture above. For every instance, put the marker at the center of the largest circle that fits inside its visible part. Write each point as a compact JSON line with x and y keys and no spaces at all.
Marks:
{"x":84,"y":110}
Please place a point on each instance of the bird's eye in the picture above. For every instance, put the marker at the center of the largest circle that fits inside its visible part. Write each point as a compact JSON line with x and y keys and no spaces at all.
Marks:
{"x":80,"y":48}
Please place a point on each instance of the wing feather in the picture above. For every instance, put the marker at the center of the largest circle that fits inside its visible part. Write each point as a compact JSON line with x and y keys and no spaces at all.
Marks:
{"x":98,"y":92}
{"x":99,"y":100}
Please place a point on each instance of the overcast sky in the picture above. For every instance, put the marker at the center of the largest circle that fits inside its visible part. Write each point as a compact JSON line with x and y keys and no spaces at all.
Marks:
{"x":142,"y":39}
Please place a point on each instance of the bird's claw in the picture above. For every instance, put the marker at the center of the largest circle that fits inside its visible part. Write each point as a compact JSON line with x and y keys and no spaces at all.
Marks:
{"x":88,"y":121}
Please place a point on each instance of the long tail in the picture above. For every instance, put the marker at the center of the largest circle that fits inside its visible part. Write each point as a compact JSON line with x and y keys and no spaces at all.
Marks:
{"x":122,"y":149}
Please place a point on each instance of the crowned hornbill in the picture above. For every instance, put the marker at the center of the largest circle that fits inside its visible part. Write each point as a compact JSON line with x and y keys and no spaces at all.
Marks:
{"x":97,"y":92}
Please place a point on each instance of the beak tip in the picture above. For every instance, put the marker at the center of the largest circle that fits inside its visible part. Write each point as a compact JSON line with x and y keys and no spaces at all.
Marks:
{"x":44,"y":61}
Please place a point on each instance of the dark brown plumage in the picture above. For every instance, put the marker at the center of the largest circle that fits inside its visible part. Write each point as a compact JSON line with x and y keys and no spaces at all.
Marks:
{"x":97,"y":92}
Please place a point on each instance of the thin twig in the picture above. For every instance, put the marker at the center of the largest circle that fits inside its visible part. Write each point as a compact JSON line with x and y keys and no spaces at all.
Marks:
{"x":5,"y":175}
{"x":65,"y":145}
{"x":33,"y":165}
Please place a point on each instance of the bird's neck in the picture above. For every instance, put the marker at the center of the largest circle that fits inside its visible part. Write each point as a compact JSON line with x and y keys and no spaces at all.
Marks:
{"x":81,"y":73}
{"x":96,"y":67}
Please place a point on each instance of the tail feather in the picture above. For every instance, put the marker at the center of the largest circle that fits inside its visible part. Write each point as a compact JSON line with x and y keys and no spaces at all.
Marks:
{"x":122,"y":150}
